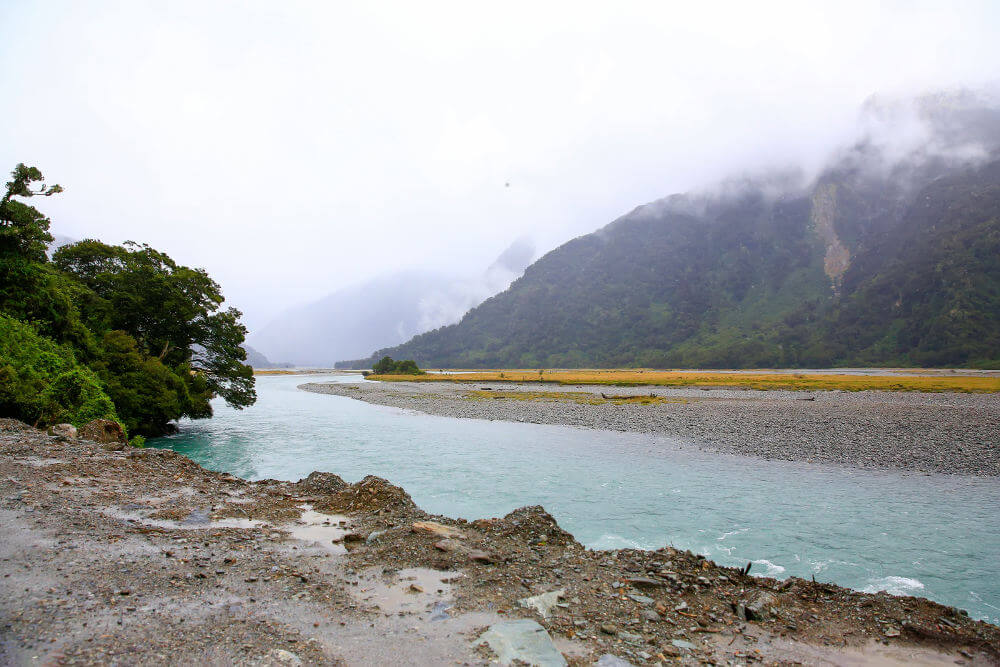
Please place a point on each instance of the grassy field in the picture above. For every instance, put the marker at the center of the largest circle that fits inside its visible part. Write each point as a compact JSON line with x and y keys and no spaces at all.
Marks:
{"x":751,"y":380}
{"x":582,"y":397}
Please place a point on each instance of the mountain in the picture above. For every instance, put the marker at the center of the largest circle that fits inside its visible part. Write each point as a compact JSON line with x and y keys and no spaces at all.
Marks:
{"x":351,"y":322}
{"x":257,"y":360}
{"x":890,"y":256}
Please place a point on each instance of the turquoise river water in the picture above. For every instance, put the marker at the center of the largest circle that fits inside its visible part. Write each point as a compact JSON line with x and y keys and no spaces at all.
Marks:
{"x":909,"y":534}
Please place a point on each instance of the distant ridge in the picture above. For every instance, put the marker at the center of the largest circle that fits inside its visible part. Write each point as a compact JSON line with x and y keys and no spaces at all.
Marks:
{"x":891,"y":256}
{"x":384,"y":311}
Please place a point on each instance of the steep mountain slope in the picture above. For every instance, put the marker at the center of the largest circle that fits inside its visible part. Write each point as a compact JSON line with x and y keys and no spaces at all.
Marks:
{"x":258,"y":360}
{"x":350,"y":322}
{"x":881,"y":260}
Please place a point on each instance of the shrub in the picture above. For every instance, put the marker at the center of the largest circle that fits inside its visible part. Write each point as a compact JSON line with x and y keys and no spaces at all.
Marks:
{"x":41,"y":383}
{"x":386,"y":366}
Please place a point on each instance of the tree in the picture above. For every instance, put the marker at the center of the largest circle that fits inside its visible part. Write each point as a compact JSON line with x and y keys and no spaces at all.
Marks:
{"x":172,"y":312}
{"x":147,"y":394}
{"x":386,"y":365}
{"x":383,"y":365}
{"x":24,"y":231}
{"x":41,"y":382}
{"x":140,"y":336}
{"x":30,"y":289}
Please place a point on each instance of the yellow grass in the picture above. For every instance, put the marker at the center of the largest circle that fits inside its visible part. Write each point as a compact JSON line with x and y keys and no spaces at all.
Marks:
{"x":583,"y":397}
{"x":752,"y":380}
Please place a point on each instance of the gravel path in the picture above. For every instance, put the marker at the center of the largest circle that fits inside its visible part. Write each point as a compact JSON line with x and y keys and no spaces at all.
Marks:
{"x":943,"y":433}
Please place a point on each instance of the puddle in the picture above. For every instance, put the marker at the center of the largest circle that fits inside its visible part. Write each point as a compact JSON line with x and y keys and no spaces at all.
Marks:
{"x":416,"y":590}
{"x":325,"y":530}
{"x":200,"y":521}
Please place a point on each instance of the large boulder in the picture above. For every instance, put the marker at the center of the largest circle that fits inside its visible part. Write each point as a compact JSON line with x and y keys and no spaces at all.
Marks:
{"x":63,"y":430}
{"x":372,"y":494}
{"x":8,"y":425}
{"x":103,"y":431}
{"x":530,"y":525}
{"x":523,"y":642}
{"x":322,"y":483}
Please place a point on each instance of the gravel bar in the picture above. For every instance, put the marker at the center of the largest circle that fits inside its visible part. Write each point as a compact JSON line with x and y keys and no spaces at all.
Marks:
{"x":942,"y":433}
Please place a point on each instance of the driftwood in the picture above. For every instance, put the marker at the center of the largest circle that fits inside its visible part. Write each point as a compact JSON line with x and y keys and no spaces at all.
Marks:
{"x":623,"y":397}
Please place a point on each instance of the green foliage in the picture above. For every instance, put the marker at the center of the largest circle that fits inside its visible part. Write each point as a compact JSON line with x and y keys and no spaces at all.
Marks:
{"x":386,"y":366}
{"x":148,"y":394}
{"x":170,"y":310}
{"x":42,"y":383}
{"x":139,"y":330}
{"x":24,"y":232}
{"x":737,"y":280}
{"x":76,"y":397}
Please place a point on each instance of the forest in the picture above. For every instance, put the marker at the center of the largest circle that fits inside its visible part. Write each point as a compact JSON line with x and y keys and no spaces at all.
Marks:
{"x":861,"y":268}
{"x":121,"y":332}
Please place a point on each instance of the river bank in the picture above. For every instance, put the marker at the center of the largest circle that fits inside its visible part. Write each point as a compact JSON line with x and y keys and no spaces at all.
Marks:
{"x":113,"y":554}
{"x":944,"y":433}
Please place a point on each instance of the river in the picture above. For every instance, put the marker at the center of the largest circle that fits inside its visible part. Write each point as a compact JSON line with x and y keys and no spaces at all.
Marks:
{"x":934,"y":536}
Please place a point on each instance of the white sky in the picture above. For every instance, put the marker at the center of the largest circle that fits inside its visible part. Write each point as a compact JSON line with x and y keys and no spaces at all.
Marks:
{"x":292,"y":148}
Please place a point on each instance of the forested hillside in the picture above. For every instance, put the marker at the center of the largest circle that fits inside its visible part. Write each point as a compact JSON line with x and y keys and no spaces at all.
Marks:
{"x":104,"y":331}
{"x":878,"y":261}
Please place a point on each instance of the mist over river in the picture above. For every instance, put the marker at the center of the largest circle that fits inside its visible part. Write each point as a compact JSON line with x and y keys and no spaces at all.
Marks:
{"x":935,"y":536}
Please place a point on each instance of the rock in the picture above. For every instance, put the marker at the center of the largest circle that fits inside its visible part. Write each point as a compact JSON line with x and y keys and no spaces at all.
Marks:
{"x":63,"y":430}
{"x":645,"y":582}
{"x":543,"y":603}
{"x":103,"y":431}
{"x":630,"y":637}
{"x":528,"y":523}
{"x":372,"y":494}
{"x":280,"y":657}
{"x":523,"y":640}
{"x":478,"y":556}
{"x":374,"y":536}
{"x":891,"y":632}
{"x":416,"y":588}
{"x":649,"y":615}
{"x":680,"y":643}
{"x":641,"y":599}
{"x":608,"y":660}
{"x":435,"y":528}
{"x":448,"y":545}
{"x":759,"y":607}
{"x":609,"y":629}
{"x":322,"y":483}
{"x":8,"y":425}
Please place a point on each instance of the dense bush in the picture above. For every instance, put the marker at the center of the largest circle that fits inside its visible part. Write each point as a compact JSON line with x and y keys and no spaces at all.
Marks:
{"x":108,"y":331}
{"x":42,"y":383}
{"x":386,"y":366}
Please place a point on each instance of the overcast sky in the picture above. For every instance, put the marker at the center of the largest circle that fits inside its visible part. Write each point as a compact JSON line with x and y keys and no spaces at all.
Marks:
{"x":291,"y":148}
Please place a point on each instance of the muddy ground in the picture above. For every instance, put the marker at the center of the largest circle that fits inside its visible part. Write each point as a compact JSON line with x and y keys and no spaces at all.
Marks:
{"x":140,"y":556}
